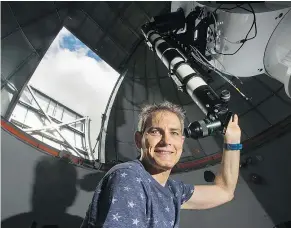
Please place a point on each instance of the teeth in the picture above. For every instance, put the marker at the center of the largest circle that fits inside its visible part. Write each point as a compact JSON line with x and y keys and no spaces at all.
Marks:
{"x":164,"y":152}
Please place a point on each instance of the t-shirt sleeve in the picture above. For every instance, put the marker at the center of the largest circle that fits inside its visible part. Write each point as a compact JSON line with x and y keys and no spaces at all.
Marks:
{"x":186,"y":191}
{"x":121,"y":202}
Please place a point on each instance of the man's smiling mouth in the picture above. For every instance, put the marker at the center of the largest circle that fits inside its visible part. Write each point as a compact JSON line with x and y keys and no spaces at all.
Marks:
{"x":163,"y":151}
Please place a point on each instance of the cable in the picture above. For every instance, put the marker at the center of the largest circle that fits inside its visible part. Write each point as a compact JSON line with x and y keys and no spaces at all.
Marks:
{"x":200,"y":58}
{"x":216,"y":70}
{"x":236,"y":42}
{"x":205,"y":62}
{"x":224,"y":71}
{"x":214,"y":37}
{"x":237,"y":6}
{"x":219,"y":7}
{"x":243,"y":41}
{"x":255,"y":21}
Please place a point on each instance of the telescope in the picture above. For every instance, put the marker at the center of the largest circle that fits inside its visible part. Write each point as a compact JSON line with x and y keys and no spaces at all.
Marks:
{"x":187,"y":75}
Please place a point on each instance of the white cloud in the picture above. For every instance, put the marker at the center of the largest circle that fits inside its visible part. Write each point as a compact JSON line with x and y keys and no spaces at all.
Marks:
{"x":75,"y":80}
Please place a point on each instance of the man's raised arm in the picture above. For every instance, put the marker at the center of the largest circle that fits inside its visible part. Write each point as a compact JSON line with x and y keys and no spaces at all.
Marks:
{"x":208,"y":196}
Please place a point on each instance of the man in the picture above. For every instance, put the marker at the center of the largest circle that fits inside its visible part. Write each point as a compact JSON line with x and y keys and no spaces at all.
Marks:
{"x":140,"y":193}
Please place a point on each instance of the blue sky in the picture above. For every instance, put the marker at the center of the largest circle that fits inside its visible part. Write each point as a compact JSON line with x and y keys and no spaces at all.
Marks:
{"x":74,"y":44}
{"x":76,"y":77}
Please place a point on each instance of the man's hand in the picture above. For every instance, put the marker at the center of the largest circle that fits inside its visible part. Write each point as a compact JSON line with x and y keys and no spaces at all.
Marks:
{"x":233,"y":132}
{"x":208,"y":196}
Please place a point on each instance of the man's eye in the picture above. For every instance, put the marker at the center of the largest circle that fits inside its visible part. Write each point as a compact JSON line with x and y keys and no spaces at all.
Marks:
{"x":155,"y":132}
{"x":175,"y":133}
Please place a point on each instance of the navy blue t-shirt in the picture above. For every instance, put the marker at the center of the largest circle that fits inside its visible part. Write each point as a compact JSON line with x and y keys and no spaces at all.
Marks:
{"x":128,"y":196}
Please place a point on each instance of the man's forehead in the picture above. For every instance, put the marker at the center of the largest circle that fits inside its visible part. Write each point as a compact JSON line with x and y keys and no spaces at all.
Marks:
{"x":164,"y":118}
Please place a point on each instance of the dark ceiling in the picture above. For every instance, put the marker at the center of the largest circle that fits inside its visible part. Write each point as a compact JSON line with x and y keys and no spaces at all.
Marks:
{"x":113,"y":26}
{"x":102,"y":26}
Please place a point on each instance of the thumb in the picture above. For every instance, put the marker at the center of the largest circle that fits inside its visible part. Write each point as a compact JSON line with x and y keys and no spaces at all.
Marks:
{"x":235,"y":119}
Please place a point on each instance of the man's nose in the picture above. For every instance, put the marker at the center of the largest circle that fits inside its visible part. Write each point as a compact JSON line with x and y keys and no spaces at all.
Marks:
{"x":166,"y":139}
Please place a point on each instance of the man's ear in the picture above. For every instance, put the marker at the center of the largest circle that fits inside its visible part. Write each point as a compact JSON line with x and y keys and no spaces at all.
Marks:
{"x":183,"y":139}
{"x":138,"y":139}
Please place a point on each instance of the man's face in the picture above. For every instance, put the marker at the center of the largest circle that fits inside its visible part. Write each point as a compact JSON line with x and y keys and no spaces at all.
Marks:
{"x":162,"y":140}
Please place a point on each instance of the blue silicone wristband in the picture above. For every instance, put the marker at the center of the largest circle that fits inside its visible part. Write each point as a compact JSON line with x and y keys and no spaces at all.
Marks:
{"x":233,"y":146}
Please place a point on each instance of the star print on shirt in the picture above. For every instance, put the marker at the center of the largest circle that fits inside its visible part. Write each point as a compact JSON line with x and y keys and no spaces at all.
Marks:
{"x":135,"y":221}
{"x":138,"y":179}
{"x":141,"y":196}
{"x":128,"y":196}
{"x":113,"y":200}
{"x":123,"y":174}
{"x":192,"y":191}
{"x":116,"y":217}
{"x":126,"y":188}
{"x":167,"y":209}
{"x":130,"y":204}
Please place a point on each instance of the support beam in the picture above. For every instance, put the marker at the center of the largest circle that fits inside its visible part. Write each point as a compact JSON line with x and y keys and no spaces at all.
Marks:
{"x":53,"y":126}
{"x":47,"y":136}
{"x":49,"y":119}
{"x":53,"y":118}
{"x":88,"y":146}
